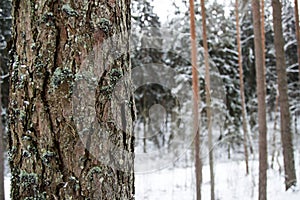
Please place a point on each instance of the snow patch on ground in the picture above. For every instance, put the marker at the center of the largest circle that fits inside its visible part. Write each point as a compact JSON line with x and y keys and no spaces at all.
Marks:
{"x":7,"y":187}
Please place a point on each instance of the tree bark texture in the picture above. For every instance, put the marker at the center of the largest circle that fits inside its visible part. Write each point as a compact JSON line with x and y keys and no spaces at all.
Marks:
{"x":62,"y":49}
{"x":261,"y":95}
{"x":196,"y":100}
{"x":285,"y":119}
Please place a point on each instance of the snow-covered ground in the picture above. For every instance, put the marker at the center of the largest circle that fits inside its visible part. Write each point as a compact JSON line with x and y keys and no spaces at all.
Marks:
{"x":231,"y":183}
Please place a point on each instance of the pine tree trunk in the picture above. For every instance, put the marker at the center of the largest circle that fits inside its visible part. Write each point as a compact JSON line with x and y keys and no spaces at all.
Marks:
{"x":196,"y":100}
{"x":274,"y":148}
{"x":208,"y":103}
{"x":2,"y":194}
{"x":297,"y":34}
{"x":263,"y":38}
{"x":285,"y":119}
{"x":263,"y":41}
{"x":67,"y":54}
{"x":242,"y":88}
{"x":260,"y":81}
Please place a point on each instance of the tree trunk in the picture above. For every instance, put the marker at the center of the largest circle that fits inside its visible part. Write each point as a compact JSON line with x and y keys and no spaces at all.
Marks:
{"x":242,"y":88}
{"x":2,"y":195}
{"x":285,"y":119}
{"x":196,"y":99}
{"x":263,"y":41}
{"x":260,"y":81}
{"x":297,"y":34}
{"x":208,"y":103}
{"x":274,"y":147}
{"x":71,"y":106}
{"x":263,"y":38}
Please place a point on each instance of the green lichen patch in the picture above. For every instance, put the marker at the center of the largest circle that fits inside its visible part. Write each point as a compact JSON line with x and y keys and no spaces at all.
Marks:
{"x":115,"y":75}
{"x":28,"y":179}
{"x":105,"y":25}
{"x":93,"y":171}
{"x":47,"y":156}
{"x":69,"y":11}
{"x":61,"y":76}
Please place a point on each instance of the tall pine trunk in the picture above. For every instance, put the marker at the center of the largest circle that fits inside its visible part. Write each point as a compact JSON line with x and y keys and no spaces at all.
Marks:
{"x":297,"y":34}
{"x":196,"y":99}
{"x":242,"y":88}
{"x":69,"y":136}
{"x":285,"y":119}
{"x":2,"y":194}
{"x":261,"y":95}
{"x":263,"y":38}
{"x":208,"y":102}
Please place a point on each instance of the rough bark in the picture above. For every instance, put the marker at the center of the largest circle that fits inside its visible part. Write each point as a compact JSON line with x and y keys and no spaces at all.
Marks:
{"x":242,"y":87}
{"x":261,"y":94}
{"x":285,"y":119}
{"x":196,"y":99}
{"x":208,"y":102}
{"x":59,"y":47}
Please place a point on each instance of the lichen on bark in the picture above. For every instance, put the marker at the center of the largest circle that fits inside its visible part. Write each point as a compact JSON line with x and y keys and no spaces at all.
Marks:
{"x":55,"y":44}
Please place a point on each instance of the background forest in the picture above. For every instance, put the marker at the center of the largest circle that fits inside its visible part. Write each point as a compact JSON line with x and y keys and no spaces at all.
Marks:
{"x":162,"y":72}
{"x":172,"y":51}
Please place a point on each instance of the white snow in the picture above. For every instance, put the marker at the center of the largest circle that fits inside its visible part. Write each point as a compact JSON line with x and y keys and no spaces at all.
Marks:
{"x":231,"y":183}
{"x":7,"y":187}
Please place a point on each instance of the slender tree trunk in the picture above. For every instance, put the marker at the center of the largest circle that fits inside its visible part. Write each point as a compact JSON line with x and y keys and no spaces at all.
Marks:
{"x":274,"y":147}
{"x":196,"y":99}
{"x":145,"y":134}
{"x":2,"y":194}
{"x":260,"y":81}
{"x":70,"y":137}
{"x":285,"y":119}
{"x":263,"y":41}
{"x":297,"y":34}
{"x":208,"y":102}
{"x":263,"y":38}
{"x":275,"y":151}
{"x":242,"y":88}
